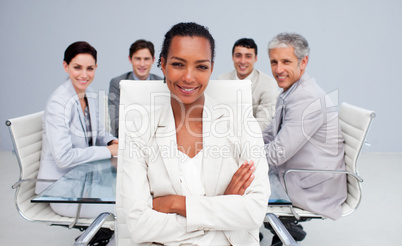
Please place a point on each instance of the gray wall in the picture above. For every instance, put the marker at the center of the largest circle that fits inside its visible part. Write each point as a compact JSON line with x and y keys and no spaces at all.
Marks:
{"x":355,"y":47}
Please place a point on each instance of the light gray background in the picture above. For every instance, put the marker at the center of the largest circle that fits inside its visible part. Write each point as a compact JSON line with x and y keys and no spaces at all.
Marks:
{"x":355,"y":47}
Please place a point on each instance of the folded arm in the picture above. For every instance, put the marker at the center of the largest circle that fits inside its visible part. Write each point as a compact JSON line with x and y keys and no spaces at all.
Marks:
{"x":144,"y":223}
{"x":241,"y":180}
{"x":165,"y":218}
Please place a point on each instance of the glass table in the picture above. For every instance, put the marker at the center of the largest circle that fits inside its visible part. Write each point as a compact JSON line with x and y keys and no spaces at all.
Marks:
{"x":95,"y":182}
{"x":92,"y":182}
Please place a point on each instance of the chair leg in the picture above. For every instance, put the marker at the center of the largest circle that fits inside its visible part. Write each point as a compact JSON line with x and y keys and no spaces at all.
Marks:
{"x":90,"y":232}
{"x":280,"y":230}
{"x":77,"y":216}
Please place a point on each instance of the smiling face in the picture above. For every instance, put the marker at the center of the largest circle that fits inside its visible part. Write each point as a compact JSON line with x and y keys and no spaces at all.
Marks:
{"x":142,"y":61}
{"x":188,"y":68}
{"x":244,"y":59}
{"x":285,"y":66}
{"x":81,"y":70}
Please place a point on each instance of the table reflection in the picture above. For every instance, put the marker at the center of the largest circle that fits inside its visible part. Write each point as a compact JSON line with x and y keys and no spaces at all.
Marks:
{"x":92,"y":182}
{"x":95,"y":182}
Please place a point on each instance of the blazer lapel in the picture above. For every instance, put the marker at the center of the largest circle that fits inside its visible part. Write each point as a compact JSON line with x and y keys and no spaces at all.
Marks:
{"x":78,"y":110}
{"x":279,"y":115}
{"x":212,"y":144}
{"x":166,"y":139}
{"x":212,"y":162}
{"x":255,"y":77}
{"x":281,"y":103}
{"x":91,"y":97}
{"x":131,"y":76}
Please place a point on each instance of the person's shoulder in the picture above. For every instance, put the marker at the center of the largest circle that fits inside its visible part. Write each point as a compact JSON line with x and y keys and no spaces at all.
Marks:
{"x":309,"y":85}
{"x":120,"y":77}
{"x":228,"y":75}
{"x":63,"y":94}
{"x":308,"y":89}
{"x":265,"y":77}
{"x":61,"y":88}
{"x":63,"y":91}
{"x":155,"y":77}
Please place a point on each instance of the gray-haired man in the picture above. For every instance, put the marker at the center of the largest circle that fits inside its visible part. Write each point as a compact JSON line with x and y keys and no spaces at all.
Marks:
{"x":304,"y":133}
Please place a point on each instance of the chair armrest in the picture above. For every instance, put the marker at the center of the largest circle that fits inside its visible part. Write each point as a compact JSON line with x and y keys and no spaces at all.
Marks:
{"x":90,"y":232}
{"x":280,"y":230}
{"x":18,"y":183}
{"x":356,"y":176}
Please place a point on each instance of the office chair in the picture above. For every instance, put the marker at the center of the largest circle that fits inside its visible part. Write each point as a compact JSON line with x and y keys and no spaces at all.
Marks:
{"x":355,"y":123}
{"x":26,"y":135}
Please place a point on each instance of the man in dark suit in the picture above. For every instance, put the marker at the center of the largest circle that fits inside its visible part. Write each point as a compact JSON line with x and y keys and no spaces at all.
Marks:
{"x":141,"y":57}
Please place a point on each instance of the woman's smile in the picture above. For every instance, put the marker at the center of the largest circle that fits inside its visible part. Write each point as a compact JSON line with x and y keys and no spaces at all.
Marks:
{"x":187,"y":90}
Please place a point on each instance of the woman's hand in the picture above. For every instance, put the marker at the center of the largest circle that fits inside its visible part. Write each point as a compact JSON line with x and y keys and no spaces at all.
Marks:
{"x":113,"y":148}
{"x":170,"y":204}
{"x":114,"y":141}
{"x":241,"y":179}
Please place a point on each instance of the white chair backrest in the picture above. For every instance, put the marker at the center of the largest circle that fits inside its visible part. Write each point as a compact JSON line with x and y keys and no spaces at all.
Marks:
{"x":139,"y":97}
{"x":225,"y":91}
{"x":355,"y":123}
{"x":26,"y":134}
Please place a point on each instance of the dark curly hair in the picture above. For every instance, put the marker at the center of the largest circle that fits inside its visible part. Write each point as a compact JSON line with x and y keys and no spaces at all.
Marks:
{"x":186,"y":29}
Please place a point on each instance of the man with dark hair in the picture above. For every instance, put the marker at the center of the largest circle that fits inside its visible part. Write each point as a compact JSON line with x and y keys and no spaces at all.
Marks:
{"x":263,"y":87}
{"x":141,"y":57}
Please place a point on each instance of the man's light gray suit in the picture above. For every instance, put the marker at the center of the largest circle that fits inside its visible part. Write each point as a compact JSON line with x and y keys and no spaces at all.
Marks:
{"x":305,"y":134}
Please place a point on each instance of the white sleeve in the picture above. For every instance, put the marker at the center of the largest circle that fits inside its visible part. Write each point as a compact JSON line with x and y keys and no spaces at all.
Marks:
{"x":235,"y":212}
{"x":144,"y":223}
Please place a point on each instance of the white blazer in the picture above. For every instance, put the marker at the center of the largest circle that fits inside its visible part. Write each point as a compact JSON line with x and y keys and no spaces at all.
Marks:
{"x":64,"y":144}
{"x":151,"y":169}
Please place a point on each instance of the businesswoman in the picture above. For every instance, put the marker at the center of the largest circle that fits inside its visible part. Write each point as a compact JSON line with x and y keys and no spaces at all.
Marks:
{"x":190,"y":177}
{"x":72,"y":131}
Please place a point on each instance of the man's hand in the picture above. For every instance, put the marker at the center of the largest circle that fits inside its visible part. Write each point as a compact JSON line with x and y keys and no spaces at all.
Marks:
{"x":241,"y":179}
